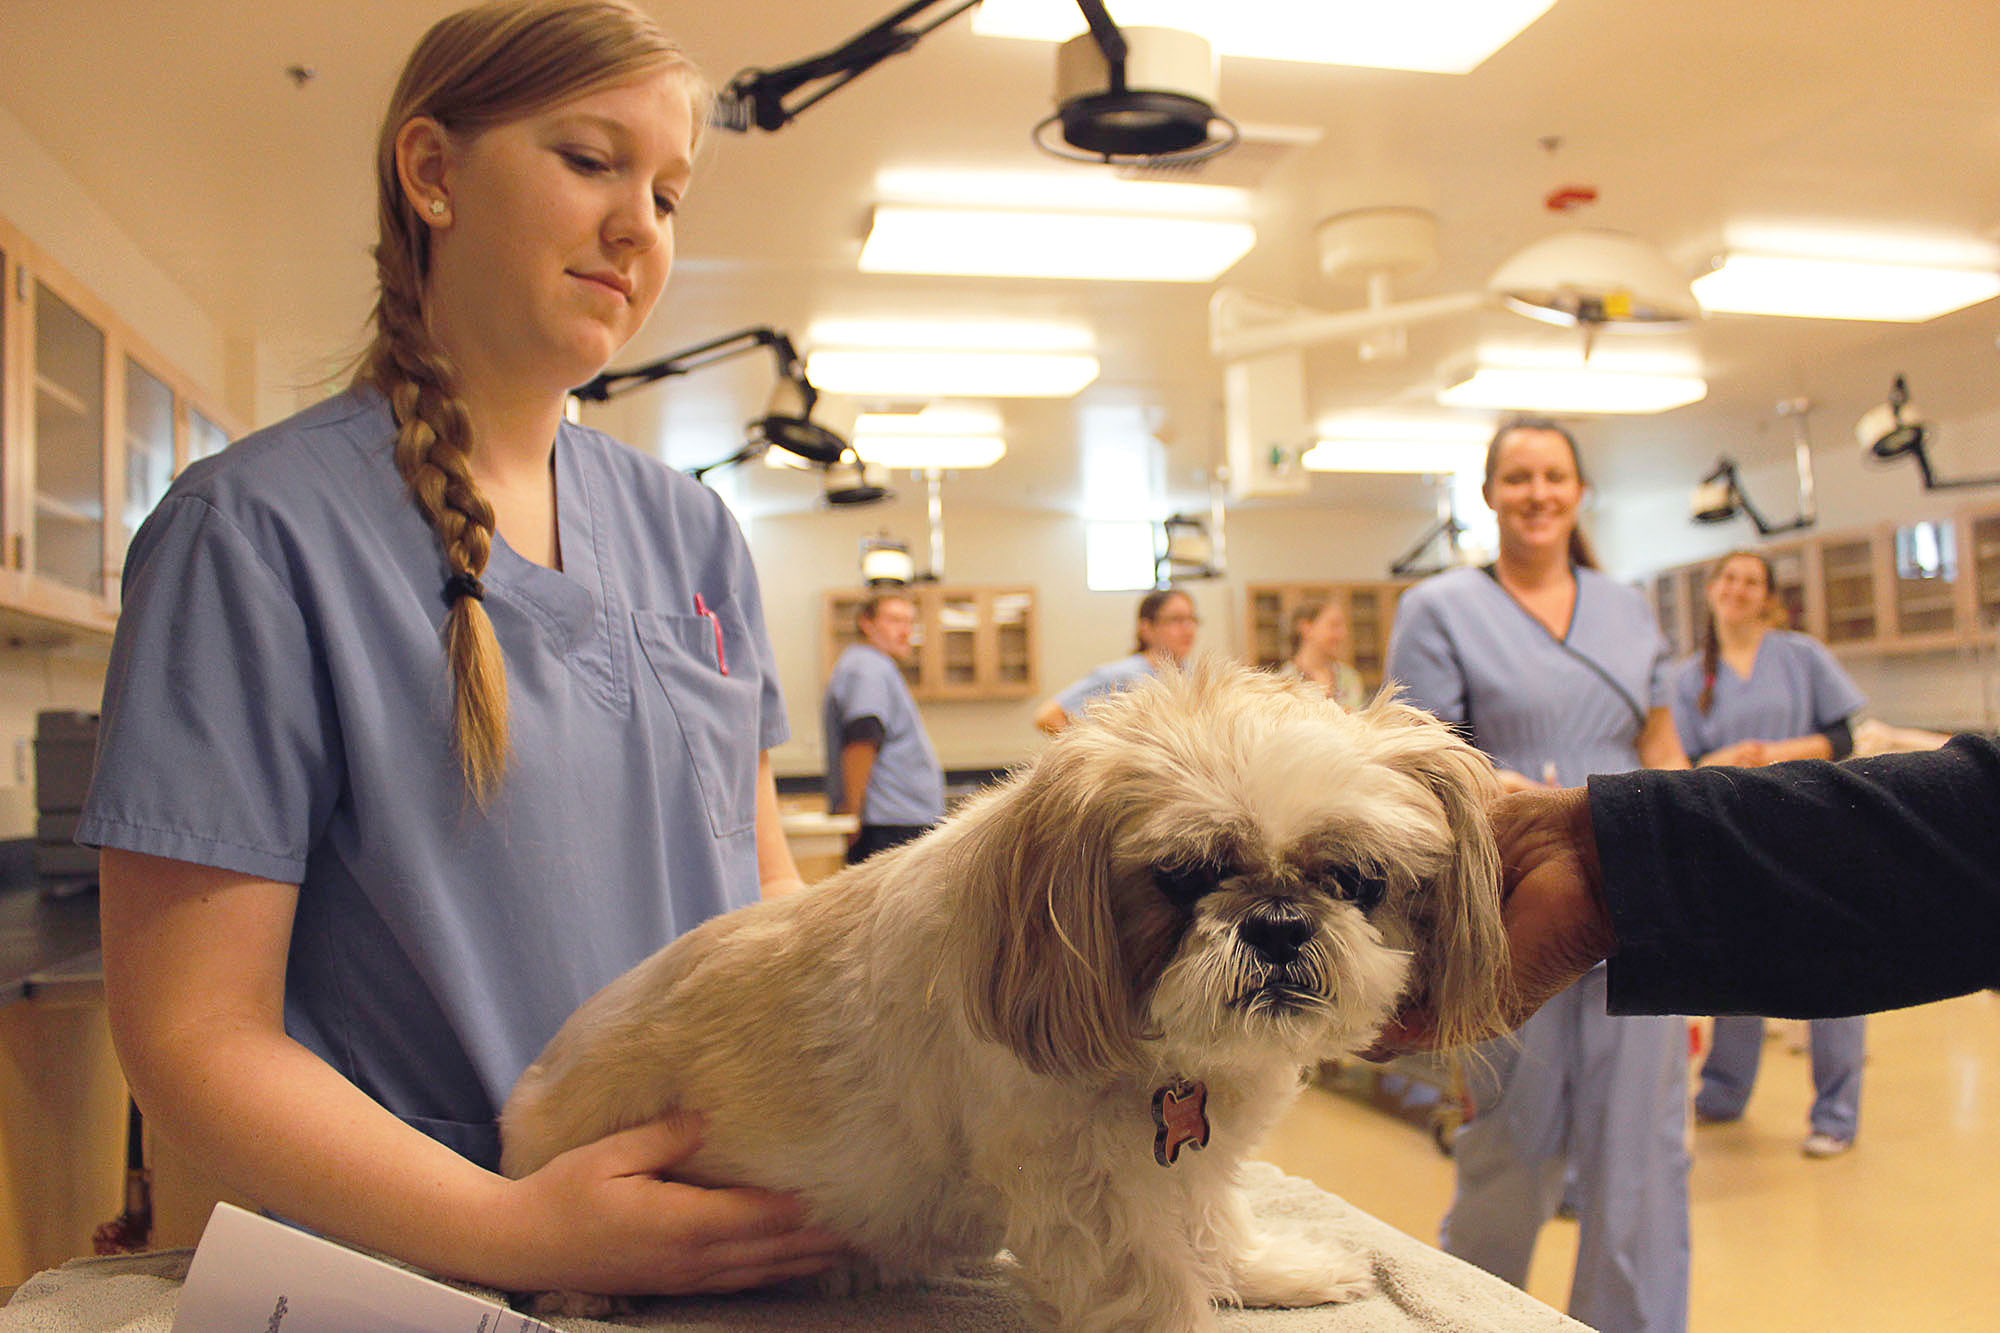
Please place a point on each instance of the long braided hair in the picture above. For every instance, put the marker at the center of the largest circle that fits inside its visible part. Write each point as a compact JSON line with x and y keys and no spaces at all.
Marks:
{"x":1711,"y":638}
{"x":473,"y":70}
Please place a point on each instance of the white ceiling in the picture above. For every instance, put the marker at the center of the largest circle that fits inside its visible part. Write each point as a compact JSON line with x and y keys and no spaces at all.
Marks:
{"x":1689,"y":118}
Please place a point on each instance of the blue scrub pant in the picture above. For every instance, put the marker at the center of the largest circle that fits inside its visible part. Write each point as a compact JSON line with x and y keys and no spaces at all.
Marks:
{"x":1839,"y":1045}
{"x":1607,"y":1096}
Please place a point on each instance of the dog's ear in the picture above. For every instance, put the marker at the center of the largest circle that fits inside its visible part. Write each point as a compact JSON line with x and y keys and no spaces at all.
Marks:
{"x":1038,"y":962}
{"x":1461,"y":972}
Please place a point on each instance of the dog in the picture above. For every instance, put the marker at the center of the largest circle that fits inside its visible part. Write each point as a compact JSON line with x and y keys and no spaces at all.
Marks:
{"x":1061,"y":1020}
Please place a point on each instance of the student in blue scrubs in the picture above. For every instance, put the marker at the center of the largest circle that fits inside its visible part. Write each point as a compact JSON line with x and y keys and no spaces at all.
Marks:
{"x":1166,"y":632}
{"x":879,"y":760}
{"x":429,"y":714}
{"x":1758,"y":695}
{"x":1558,"y":672}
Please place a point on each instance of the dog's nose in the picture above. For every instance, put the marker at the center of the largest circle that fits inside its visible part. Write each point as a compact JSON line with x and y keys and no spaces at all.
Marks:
{"x":1275,"y":930}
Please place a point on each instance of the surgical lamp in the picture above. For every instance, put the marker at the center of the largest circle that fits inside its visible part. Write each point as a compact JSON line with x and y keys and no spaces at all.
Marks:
{"x":787,"y":421}
{"x":1720,"y":496}
{"x":1896,"y":428}
{"x":1123,"y":95}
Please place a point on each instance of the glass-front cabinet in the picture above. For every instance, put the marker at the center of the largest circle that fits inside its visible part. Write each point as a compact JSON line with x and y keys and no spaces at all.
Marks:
{"x":67,"y":543}
{"x":968,"y":643}
{"x":93,"y":427}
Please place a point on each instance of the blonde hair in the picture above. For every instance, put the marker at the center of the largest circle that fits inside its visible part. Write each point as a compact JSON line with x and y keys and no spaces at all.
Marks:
{"x":474,"y":70}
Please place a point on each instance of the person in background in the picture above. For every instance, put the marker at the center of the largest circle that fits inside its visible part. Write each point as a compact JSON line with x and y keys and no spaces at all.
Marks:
{"x":1558,"y":672}
{"x":1319,"y":653}
{"x":429,"y":713}
{"x":1756,"y":695}
{"x":1166,"y":634}
{"x":879,"y":761}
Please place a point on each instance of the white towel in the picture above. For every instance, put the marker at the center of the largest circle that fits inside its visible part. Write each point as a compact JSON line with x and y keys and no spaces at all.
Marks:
{"x":1417,"y":1288}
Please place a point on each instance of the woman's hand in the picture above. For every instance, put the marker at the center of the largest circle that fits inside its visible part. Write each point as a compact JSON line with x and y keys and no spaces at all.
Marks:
{"x":1743,"y":754}
{"x":606,"y":1217}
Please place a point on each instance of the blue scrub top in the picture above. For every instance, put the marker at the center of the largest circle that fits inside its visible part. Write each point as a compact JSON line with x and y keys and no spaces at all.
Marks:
{"x":906,"y":785}
{"x":1795,"y":689}
{"x":278,"y":704}
{"x":1464,"y":649}
{"x":1111,"y":678}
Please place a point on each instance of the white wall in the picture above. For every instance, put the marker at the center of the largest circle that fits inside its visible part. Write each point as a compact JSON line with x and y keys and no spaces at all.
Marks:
{"x":801,"y":556}
{"x":1955,"y":377}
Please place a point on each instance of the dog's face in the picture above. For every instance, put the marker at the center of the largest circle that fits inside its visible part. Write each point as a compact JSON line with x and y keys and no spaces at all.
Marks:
{"x":1223,"y":864}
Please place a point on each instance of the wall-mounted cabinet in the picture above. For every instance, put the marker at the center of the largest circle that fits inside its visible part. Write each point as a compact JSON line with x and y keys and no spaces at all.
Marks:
{"x":93,"y":426}
{"x":1371,"y":614}
{"x":969,"y":643}
{"x":1919,"y":586}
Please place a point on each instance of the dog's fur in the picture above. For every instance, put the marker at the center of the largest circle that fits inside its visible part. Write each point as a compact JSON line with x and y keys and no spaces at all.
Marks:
{"x":955,"y":1046}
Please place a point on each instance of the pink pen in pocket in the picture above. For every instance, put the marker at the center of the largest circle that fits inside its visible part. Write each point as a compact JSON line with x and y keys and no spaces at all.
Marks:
{"x":701,"y":609}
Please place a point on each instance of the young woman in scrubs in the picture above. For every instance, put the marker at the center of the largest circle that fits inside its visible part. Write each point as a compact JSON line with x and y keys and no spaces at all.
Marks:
{"x":1319,"y":653}
{"x":1757,"y":695}
{"x":429,"y":714}
{"x":1166,"y":630}
{"x":1558,"y":672}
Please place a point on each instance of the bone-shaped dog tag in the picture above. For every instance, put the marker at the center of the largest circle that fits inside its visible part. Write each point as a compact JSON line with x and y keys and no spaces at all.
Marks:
{"x":1180,"y":1118}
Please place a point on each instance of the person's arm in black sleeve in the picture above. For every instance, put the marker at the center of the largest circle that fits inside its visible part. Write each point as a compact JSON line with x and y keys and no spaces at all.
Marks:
{"x":1808,"y":889}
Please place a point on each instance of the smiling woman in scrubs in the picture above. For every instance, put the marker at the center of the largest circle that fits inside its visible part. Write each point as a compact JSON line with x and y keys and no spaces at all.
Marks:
{"x":429,"y":714}
{"x":1558,"y":672}
{"x":1756,"y":695}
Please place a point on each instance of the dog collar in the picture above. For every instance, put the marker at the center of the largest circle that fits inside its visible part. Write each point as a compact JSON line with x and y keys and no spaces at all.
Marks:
{"x":1180,"y":1118}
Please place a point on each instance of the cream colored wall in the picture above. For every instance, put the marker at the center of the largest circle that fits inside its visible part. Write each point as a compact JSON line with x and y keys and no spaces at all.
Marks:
{"x":1956,"y":378}
{"x":801,"y":556}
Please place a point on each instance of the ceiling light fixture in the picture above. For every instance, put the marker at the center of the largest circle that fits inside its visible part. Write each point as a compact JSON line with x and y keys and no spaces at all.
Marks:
{"x":1140,"y":95}
{"x":786,"y":423}
{"x":1897,"y":428}
{"x":1378,"y":455}
{"x":1439,"y":36}
{"x":1813,"y":287}
{"x":1720,"y":496}
{"x":1586,"y":278}
{"x":1143,"y":96}
{"x":1022,"y":244}
{"x":884,"y":373}
{"x":1580,"y":389}
{"x":934,"y":438}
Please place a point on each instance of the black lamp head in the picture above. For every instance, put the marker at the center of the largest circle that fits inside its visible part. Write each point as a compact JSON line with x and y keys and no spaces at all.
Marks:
{"x":1134,"y":96}
{"x":1717,"y":497}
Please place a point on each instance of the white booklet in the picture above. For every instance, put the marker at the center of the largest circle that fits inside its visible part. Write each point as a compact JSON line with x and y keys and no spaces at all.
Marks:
{"x":253,"y":1275}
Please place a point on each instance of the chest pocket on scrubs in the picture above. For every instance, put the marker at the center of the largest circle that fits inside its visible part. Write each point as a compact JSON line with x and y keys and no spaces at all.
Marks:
{"x":716,"y":714}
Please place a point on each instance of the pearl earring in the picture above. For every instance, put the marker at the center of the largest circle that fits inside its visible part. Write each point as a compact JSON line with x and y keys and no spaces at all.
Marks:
{"x":437,"y":208}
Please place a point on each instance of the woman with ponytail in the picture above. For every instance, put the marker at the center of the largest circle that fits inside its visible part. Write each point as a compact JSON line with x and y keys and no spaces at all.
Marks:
{"x":429,"y":713}
{"x":1757,"y":695}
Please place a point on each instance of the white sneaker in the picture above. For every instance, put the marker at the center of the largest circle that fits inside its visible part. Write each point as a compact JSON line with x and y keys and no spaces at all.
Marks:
{"x":1826,"y":1145}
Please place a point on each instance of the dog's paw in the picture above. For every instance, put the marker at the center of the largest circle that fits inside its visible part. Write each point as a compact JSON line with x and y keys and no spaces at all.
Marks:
{"x":1289,"y":1273}
{"x":582,"y":1304}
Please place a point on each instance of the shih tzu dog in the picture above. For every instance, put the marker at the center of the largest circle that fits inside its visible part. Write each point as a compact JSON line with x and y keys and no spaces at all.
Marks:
{"x":1060,"y":1021}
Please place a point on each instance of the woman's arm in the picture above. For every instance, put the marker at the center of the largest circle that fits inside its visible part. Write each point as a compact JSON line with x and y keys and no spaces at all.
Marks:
{"x":1659,"y":742}
{"x":194,"y":969}
{"x":1052,"y":717}
{"x":777,"y":872}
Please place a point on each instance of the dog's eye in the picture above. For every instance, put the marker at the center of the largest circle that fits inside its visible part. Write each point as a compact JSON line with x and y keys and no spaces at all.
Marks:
{"x":1183,"y":885}
{"x":1354,"y":884}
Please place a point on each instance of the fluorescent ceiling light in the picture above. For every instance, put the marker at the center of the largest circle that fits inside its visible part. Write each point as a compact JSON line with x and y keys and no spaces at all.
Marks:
{"x":1585,"y":389}
{"x":999,"y":243}
{"x":1816,"y":288}
{"x":923,"y":374}
{"x":1082,"y":190}
{"x":937,"y":437}
{"x":1440,"y":36}
{"x":1363,"y":455}
{"x":919,"y":453}
{"x":951,"y":335}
